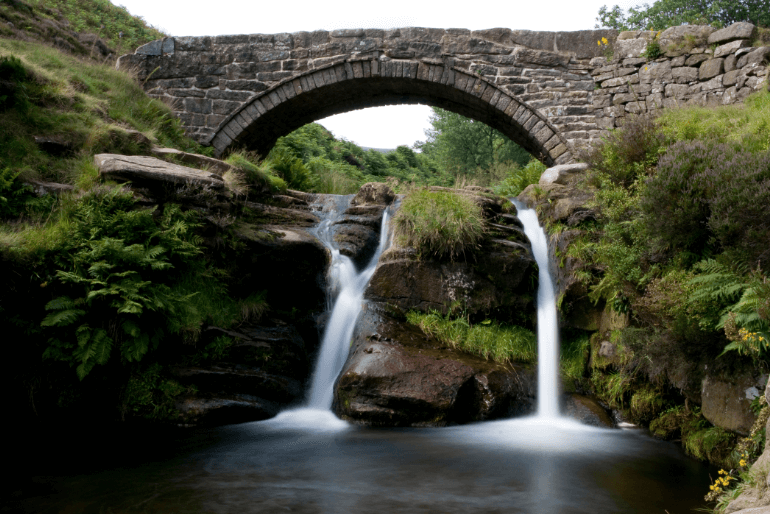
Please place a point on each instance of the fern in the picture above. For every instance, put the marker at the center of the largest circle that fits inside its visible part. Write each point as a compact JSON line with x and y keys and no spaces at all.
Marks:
{"x":719,"y":289}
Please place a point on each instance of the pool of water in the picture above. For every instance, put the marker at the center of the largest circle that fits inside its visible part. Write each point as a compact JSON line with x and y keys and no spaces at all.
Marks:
{"x":310,"y":462}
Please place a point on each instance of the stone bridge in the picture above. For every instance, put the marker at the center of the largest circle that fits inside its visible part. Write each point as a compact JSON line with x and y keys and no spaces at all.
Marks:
{"x":550,"y":92}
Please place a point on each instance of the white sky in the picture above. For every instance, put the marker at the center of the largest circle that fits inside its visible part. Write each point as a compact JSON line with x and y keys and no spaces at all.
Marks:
{"x":382,"y":127}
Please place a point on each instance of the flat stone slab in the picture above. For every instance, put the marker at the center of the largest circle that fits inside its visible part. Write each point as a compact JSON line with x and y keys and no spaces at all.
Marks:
{"x":193,"y":159}
{"x":144,"y":169}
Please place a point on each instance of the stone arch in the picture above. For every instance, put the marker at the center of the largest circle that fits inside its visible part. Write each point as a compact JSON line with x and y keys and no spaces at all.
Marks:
{"x":355,"y":84}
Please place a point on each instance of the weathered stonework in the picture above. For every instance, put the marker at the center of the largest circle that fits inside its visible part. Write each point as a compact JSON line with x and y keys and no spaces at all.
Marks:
{"x":551,"y":92}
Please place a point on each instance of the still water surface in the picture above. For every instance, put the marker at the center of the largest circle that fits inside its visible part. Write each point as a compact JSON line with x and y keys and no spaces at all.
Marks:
{"x":310,"y":462}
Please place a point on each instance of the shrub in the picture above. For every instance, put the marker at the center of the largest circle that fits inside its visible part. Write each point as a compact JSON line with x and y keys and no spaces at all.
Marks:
{"x":674,"y":205}
{"x":439,"y":223}
{"x":628,"y":152}
{"x":517,"y":179}
{"x":291,"y":169}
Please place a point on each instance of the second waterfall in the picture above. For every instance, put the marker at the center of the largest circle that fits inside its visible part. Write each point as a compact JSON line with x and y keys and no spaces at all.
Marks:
{"x":547,"y":320}
{"x":347,"y":287}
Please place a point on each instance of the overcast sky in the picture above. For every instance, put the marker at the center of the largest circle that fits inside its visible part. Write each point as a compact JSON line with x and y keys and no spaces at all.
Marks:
{"x":382,"y":127}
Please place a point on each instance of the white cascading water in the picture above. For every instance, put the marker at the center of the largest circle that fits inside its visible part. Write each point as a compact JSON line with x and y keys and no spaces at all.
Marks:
{"x":547,"y":321}
{"x":349,"y":285}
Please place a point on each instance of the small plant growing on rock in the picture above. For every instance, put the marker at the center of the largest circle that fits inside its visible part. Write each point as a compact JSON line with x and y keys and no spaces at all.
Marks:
{"x":653,"y":50}
{"x":439,"y":223}
{"x":605,"y":45}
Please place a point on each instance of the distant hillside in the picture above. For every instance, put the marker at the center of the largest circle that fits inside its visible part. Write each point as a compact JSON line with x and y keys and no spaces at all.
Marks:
{"x":381,"y":150}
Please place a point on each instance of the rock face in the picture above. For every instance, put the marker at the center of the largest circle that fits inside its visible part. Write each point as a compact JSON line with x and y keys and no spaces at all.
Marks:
{"x":756,"y":499}
{"x":263,"y":372}
{"x":725,"y":403}
{"x":397,"y":376}
{"x":358,"y":231}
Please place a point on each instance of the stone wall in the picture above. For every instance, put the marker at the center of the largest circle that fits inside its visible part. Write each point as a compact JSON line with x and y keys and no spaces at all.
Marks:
{"x":551,"y":92}
{"x":698,"y":65}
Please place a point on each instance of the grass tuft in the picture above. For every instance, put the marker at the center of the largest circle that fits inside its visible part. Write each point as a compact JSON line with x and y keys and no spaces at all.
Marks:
{"x":488,"y":339}
{"x":439,"y":223}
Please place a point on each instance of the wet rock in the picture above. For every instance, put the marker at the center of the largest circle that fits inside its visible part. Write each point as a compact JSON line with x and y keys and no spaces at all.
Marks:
{"x":263,"y":371}
{"x":587,"y":411}
{"x":373,"y":193}
{"x":224,"y":410}
{"x":501,"y":280}
{"x":396,"y":376}
{"x":725,"y":403}
{"x":283,"y":259}
{"x":358,"y":231}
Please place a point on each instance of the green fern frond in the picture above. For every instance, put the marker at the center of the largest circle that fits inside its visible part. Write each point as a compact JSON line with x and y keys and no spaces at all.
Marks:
{"x":60,"y":303}
{"x":62,"y":318}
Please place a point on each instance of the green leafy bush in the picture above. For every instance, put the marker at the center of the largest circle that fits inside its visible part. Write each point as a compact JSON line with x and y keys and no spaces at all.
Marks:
{"x":517,"y":179}
{"x":258,"y":175}
{"x":150,"y":395}
{"x":627,"y":153}
{"x":439,"y":223}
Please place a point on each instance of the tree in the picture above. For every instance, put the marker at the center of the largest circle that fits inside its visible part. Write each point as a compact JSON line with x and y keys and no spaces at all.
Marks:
{"x":668,"y":13}
{"x":463,"y":146}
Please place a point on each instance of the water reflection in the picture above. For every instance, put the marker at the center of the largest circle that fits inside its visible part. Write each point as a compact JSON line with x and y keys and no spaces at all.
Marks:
{"x":309,"y":461}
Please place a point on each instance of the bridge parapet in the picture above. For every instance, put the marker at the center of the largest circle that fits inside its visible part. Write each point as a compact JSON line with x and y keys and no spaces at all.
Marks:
{"x":251,"y":89}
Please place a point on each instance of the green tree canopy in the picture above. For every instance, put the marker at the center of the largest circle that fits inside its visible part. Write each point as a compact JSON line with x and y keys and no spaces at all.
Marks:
{"x":668,"y":13}
{"x":463,"y":146}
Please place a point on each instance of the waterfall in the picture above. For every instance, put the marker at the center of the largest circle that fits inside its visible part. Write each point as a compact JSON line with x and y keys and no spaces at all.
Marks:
{"x":349,"y":285}
{"x":547,"y":321}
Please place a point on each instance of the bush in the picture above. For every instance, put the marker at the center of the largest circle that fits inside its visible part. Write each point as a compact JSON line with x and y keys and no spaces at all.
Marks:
{"x":291,"y":169}
{"x":707,"y":193}
{"x":518,"y":179}
{"x":628,"y":152}
{"x":439,"y":223}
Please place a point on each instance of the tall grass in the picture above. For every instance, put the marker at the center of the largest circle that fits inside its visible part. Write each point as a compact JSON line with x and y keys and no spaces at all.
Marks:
{"x":89,"y":107}
{"x":517,"y":179}
{"x":439,"y":223}
{"x":488,"y":339}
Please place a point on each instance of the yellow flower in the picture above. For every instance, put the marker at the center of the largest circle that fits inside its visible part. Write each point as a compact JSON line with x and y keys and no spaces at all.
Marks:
{"x":599,"y":43}
{"x":742,"y":463}
{"x":604,"y":40}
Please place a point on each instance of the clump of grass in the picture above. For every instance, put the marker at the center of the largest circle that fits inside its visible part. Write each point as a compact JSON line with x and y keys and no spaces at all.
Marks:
{"x":87,"y":107}
{"x":573,"y":358}
{"x":257,"y":173}
{"x":500,"y":343}
{"x":439,"y":223}
{"x":742,"y":124}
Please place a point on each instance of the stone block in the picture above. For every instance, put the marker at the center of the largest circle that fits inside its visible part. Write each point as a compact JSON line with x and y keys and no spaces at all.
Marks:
{"x":730,"y":62}
{"x":696,"y":59}
{"x":678,"y":61}
{"x":630,"y":48}
{"x":684,"y":75}
{"x":197,"y":105}
{"x":620,"y":81}
{"x":715,"y":83}
{"x":740,"y":30}
{"x":676,"y":90}
{"x":654,"y":101}
{"x":711,"y":68}
{"x":656,"y":72}
{"x":759,"y":56}
{"x":622,"y":72}
{"x":636,"y":107}
{"x":685,"y":35}
{"x":730,"y":48}
{"x":151,"y":48}
{"x":634,"y":61}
